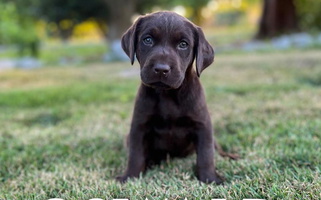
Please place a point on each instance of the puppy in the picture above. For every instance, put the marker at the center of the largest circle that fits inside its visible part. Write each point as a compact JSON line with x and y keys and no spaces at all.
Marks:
{"x":170,"y":117}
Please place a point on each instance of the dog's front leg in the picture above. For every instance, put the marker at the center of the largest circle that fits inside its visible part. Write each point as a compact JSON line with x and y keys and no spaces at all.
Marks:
{"x":136,"y":157}
{"x":205,"y":156}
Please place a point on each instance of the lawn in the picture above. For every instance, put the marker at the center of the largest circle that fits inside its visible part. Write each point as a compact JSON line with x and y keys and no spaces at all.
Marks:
{"x":62,"y":131}
{"x":56,"y":53}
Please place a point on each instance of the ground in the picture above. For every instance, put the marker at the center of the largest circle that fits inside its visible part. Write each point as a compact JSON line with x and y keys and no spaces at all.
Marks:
{"x":62,"y":131}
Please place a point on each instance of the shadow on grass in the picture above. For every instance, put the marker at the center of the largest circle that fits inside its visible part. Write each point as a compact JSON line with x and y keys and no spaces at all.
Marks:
{"x":313,"y":80}
{"x":46,"y":118}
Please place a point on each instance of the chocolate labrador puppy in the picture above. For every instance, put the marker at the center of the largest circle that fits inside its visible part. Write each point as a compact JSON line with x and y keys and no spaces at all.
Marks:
{"x":170,"y":116}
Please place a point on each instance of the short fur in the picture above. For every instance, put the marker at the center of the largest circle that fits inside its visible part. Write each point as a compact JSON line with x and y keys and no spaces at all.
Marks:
{"x":170,"y":116}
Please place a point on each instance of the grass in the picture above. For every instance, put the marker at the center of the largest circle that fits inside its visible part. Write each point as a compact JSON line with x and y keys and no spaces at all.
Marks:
{"x":56,"y":53}
{"x":62,"y":131}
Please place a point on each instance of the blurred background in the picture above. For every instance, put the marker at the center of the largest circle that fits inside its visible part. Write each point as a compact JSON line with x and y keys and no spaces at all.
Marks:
{"x":67,"y":93}
{"x":36,"y":33}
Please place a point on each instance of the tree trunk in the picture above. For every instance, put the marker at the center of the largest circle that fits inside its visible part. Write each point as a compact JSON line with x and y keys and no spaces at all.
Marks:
{"x":118,"y":22}
{"x":65,"y":33}
{"x":197,"y":17}
{"x":278,"y":17}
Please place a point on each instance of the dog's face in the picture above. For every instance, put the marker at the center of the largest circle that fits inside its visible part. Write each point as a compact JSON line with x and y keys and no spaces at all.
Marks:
{"x":165,"y":45}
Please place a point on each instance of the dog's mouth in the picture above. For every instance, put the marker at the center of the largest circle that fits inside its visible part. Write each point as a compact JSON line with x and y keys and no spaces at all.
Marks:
{"x":159,"y":85}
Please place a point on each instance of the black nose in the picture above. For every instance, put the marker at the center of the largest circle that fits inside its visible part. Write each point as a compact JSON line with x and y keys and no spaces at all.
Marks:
{"x":162,"y":69}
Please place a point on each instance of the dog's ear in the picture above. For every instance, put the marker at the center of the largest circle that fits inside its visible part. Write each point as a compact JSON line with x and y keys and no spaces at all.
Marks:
{"x":128,"y":40}
{"x":204,"y":52}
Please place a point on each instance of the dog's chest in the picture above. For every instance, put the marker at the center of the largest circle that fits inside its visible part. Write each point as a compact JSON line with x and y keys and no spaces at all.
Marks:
{"x":161,"y":123}
{"x":169,"y":127}
{"x":170,"y":115}
{"x":169,"y":133}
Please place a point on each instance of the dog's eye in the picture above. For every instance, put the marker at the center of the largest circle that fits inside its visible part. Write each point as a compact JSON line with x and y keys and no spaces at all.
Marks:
{"x":148,"y":41}
{"x":183,"y":45}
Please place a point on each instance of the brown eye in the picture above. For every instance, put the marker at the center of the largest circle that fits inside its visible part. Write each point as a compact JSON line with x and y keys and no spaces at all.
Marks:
{"x":148,"y":41}
{"x":183,"y":45}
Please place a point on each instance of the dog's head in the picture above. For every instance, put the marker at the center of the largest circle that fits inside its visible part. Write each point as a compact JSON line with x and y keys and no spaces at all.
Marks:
{"x":166,"y":45}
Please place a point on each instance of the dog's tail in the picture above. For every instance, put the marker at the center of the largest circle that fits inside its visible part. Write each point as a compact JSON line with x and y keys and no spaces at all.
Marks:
{"x":223,"y":153}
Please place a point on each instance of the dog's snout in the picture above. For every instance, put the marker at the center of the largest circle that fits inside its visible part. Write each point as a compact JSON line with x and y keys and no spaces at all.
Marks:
{"x":162,"y":69}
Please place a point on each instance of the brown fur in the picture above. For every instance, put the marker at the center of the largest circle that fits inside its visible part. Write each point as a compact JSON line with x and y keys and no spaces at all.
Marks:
{"x":170,"y":116}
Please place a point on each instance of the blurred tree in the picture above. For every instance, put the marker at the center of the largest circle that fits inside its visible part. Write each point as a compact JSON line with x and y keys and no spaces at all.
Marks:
{"x":120,"y":13}
{"x":119,"y":19}
{"x":112,"y":17}
{"x":8,"y":23}
{"x":17,"y":27}
{"x":278,"y":17}
{"x":194,"y":9}
{"x":309,"y":14}
{"x":65,"y":15}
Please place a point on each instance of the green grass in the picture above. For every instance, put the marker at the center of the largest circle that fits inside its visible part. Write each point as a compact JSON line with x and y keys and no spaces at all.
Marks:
{"x":62,"y":131}
{"x":56,"y":53}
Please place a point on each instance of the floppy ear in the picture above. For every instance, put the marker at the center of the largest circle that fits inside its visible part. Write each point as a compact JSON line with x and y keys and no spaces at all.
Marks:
{"x":204,"y":52}
{"x":128,"y":41}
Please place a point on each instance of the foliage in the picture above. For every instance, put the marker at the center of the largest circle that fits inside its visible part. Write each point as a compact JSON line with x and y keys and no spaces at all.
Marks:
{"x":9,"y":27}
{"x":309,"y":14}
{"x":17,"y":27}
{"x":64,"y":15}
{"x":62,"y":131}
{"x":13,"y":24}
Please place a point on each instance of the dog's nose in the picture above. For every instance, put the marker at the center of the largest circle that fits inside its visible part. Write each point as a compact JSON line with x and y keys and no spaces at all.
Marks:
{"x":162,"y":69}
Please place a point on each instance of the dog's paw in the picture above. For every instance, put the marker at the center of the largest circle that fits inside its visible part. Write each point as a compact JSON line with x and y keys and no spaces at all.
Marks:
{"x":122,"y":179}
{"x":211,"y":178}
